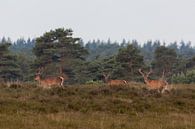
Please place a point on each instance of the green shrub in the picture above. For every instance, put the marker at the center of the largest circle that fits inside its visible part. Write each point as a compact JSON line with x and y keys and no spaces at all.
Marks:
{"x":182,"y":78}
{"x":94,"y":82}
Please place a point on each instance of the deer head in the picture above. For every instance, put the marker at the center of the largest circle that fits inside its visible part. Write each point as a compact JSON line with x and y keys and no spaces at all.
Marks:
{"x":154,"y":84}
{"x":38,"y":74}
{"x":145,"y":75}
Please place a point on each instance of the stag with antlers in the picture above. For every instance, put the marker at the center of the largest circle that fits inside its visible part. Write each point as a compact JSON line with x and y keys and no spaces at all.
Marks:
{"x":111,"y":82}
{"x":160,"y":85}
{"x":48,"y":82}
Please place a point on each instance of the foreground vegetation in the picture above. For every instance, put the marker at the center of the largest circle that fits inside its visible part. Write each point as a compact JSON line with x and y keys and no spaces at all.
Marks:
{"x":96,"y":107}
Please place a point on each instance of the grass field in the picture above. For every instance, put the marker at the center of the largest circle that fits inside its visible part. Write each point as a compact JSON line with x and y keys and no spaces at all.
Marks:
{"x":96,"y":107}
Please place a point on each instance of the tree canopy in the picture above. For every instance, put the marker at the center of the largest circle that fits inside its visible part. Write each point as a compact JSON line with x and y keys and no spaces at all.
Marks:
{"x":165,"y":60}
{"x":9,"y":69}
{"x":58,"y":49}
{"x":131,"y":60}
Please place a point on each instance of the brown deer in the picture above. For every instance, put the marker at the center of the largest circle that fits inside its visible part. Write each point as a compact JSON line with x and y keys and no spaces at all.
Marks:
{"x":113,"y":82}
{"x":48,"y":82}
{"x":160,"y":85}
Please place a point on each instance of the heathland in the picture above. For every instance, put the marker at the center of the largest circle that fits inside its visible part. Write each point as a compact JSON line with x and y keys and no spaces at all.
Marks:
{"x":26,"y":106}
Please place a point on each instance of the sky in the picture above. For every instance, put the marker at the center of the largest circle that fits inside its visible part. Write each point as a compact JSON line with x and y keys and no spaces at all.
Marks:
{"x":164,"y":20}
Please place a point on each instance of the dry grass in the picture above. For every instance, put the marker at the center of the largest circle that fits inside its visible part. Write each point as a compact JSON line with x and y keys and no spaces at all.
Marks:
{"x":96,"y":107}
{"x":97,"y":120}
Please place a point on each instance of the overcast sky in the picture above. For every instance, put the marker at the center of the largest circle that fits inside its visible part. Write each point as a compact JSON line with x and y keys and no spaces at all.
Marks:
{"x":165,"y":20}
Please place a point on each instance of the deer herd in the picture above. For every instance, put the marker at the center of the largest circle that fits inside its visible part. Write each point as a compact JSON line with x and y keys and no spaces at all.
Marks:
{"x":161,"y":85}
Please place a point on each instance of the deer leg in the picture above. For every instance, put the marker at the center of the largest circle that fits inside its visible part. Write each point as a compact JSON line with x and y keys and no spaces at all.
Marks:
{"x":163,"y":90}
{"x":167,"y":88}
{"x":61,"y":84}
{"x":159,"y":91}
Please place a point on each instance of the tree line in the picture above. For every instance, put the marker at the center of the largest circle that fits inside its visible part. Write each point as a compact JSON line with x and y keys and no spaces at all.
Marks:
{"x":59,"y":52}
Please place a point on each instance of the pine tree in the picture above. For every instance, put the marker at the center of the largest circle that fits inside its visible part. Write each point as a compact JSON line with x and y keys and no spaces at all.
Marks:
{"x":165,"y":59}
{"x":9,"y":69}
{"x":130,"y":60}
{"x":58,"y":48}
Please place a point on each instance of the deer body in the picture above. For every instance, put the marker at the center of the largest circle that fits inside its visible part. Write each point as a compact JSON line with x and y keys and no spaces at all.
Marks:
{"x":160,"y":84}
{"x":48,"y":82}
{"x":156,"y":84}
{"x":113,"y":82}
{"x":117,"y":82}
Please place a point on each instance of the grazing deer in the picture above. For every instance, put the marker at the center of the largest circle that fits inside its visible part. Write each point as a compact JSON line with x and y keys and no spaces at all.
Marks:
{"x":160,"y":84}
{"x":113,"y":82}
{"x":48,"y":82}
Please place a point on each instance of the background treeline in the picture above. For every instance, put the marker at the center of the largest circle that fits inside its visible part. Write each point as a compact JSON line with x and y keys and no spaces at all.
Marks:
{"x":59,"y":52}
{"x":102,"y":49}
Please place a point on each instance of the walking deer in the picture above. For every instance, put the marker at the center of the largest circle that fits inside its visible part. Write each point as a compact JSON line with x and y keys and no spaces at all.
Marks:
{"x":160,"y":85}
{"x":48,"y":82}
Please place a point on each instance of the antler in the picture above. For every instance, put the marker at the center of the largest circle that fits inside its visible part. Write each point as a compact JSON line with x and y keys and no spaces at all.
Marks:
{"x":106,"y":75}
{"x":39,"y":71}
{"x":144,"y":74}
{"x":61,"y":70}
{"x":149,"y":72}
{"x":163,"y":74}
{"x":140,"y":71}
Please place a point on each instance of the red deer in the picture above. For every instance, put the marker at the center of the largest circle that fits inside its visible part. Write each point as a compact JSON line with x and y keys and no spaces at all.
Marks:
{"x":113,"y":82}
{"x":48,"y":82}
{"x":160,"y":84}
